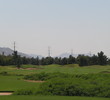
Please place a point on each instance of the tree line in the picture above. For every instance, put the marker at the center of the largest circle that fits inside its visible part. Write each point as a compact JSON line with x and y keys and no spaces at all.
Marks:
{"x":82,"y":60}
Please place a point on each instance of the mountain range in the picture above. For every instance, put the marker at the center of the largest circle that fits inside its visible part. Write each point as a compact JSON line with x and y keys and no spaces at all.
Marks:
{"x":7,"y":51}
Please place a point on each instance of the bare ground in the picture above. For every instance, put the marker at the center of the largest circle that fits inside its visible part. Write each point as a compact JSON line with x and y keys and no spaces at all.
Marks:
{"x":31,"y":68}
{"x":6,"y":93}
{"x":34,"y":81}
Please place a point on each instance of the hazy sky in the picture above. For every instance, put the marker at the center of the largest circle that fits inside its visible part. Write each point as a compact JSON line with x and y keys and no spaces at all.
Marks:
{"x":81,"y":25}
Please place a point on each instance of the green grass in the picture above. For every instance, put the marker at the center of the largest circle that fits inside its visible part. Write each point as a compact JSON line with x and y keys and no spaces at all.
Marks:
{"x":49,"y":98}
{"x":13,"y":83}
{"x":71,"y":69}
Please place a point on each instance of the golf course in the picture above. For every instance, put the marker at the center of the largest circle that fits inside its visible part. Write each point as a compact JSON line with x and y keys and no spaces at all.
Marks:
{"x":33,"y":82}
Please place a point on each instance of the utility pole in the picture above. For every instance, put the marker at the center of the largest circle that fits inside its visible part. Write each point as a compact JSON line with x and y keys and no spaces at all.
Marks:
{"x":48,"y":51}
{"x":71,"y":52}
{"x":90,"y":54}
{"x":14,"y":46}
{"x":3,"y":53}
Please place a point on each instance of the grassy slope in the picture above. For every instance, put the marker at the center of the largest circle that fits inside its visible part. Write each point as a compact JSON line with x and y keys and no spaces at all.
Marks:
{"x":13,"y":83}
{"x":48,"y":98}
{"x":71,"y":69}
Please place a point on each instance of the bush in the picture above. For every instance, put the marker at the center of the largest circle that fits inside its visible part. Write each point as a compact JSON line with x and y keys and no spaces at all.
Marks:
{"x":28,"y":91}
{"x":71,"y":85}
{"x":23,"y":92}
{"x":83,"y":85}
{"x":45,"y":76}
{"x":4,"y":73}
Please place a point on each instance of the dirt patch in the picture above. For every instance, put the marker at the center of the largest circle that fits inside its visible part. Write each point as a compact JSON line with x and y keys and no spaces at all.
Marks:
{"x":6,"y":93}
{"x":34,"y":81}
{"x":31,"y":68}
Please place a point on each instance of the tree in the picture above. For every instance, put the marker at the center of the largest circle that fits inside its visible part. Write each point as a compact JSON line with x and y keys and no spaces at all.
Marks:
{"x":57,"y":60}
{"x":49,"y":60}
{"x":83,"y":60}
{"x":17,"y":59}
{"x":94,"y":60}
{"x":102,"y":59}
{"x":64,"y":61}
{"x":37,"y":61}
{"x":71,"y":60}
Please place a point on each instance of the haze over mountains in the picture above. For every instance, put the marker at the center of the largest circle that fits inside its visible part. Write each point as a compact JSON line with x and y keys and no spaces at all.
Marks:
{"x":8,"y":51}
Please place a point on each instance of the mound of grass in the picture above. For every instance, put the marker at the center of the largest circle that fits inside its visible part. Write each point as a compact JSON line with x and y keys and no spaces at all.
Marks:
{"x":71,"y":65}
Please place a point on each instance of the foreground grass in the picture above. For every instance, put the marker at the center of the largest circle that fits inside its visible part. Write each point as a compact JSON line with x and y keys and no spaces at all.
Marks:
{"x":49,"y":98}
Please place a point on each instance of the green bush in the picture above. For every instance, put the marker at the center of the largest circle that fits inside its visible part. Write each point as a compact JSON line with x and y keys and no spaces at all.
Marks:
{"x":27,"y":91}
{"x":45,"y":76}
{"x":83,"y":85}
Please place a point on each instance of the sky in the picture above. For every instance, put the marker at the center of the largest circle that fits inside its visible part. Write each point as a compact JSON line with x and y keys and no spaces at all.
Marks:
{"x":63,"y":25}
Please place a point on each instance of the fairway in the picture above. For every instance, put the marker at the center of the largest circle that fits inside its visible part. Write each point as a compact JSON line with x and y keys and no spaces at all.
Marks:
{"x":13,"y":83}
{"x":48,"y":98}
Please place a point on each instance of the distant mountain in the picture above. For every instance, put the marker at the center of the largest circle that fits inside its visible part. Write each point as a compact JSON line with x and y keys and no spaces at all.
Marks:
{"x":66,"y":55}
{"x":8,"y":51}
{"x":35,"y":56}
{"x":74,"y":55}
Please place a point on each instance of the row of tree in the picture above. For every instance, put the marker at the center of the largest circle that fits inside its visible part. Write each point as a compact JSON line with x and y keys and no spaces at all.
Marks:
{"x":82,"y":60}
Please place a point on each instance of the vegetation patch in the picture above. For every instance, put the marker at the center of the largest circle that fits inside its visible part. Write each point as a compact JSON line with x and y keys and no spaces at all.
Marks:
{"x":45,"y":76}
{"x":72,"y":84}
{"x":78,"y":85}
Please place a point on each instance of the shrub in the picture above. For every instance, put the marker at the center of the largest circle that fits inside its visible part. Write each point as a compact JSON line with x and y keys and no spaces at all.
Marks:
{"x":4,"y":73}
{"x":83,"y":85}
{"x":45,"y":76}
{"x":27,"y":91}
